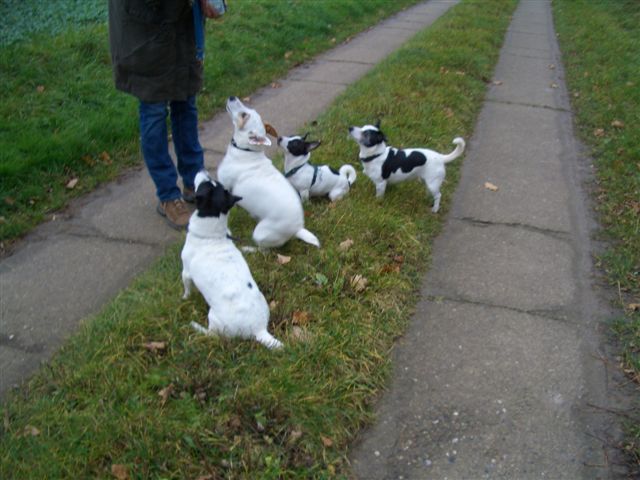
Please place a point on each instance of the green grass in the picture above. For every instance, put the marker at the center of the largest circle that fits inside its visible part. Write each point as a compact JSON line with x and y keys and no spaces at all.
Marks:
{"x":61,"y":117}
{"x":600,"y":53}
{"x":233,"y":408}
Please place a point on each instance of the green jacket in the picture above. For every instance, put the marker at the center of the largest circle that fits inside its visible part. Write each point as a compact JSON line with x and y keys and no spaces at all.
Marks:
{"x":153,"y":49}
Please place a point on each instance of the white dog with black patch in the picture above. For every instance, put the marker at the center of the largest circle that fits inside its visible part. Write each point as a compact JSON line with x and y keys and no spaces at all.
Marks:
{"x":237,"y":308}
{"x":384,"y":164}
{"x":248,"y":173}
{"x":313,"y":180}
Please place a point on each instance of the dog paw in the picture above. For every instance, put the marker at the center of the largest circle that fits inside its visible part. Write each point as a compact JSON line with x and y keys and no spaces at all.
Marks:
{"x":248,"y":249}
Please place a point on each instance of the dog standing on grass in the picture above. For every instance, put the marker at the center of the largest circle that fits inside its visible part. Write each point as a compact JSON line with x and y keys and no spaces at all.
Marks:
{"x":384,"y":164}
{"x":237,"y":308}
{"x":247,"y":172}
{"x":313,"y":180}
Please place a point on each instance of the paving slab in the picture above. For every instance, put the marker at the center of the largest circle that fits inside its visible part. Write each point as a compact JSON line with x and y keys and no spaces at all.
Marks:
{"x":68,"y":268}
{"x":502,"y":364}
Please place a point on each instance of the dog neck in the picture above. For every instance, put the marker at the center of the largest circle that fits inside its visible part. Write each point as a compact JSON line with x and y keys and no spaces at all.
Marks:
{"x":235,"y":145}
{"x":210,"y":228}
{"x":291,"y":162}
{"x":368,"y":154}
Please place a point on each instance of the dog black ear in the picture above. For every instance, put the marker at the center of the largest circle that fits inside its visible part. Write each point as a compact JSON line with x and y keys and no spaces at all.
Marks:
{"x":231,"y":199}
{"x":203,"y":194}
{"x":312,"y":145}
{"x":304,"y":137}
{"x":378,"y":124}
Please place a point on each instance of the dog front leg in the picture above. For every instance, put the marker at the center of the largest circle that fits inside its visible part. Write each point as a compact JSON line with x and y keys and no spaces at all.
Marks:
{"x":304,"y":195}
{"x":213,"y":329}
{"x":380,"y":189}
{"x":186,"y":281}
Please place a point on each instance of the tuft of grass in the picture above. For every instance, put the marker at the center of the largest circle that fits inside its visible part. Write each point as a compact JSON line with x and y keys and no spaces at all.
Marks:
{"x":61,"y":117}
{"x":225,"y":408}
{"x":602,"y":65}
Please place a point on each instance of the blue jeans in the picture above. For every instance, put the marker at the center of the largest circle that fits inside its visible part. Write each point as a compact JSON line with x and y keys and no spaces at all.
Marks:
{"x":155,"y":146}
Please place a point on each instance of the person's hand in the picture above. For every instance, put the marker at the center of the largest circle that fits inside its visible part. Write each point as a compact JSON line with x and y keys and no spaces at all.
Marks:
{"x":207,"y":10}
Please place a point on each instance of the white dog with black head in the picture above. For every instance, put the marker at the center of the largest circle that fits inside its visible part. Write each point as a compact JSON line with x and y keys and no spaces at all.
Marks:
{"x":384,"y":164}
{"x":237,"y":308}
{"x":248,"y":173}
{"x":313,"y":180}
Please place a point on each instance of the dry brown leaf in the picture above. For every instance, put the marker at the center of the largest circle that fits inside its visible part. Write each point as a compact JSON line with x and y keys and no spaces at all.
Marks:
{"x":359,"y":283}
{"x":554,"y":85}
{"x":165,"y":393}
{"x":121,"y":472}
{"x":288,"y":54}
{"x":634,"y":307}
{"x":272,"y":305}
{"x":345,"y":245}
{"x":617,"y":124}
{"x":576,"y":94}
{"x":398,"y":258}
{"x":40,"y":88}
{"x":283,"y":259}
{"x":299,"y":334}
{"x":391,"y":268}
{"x":444,"y":70}
{"x":294,"y":436}
{"x":326,"y":441}
{"x":552,"y":66}
{"x":30,"y":430}
{"x":276,"y":85}
{"x":490,"y":186}
{"x":497,"y":82}
{"x":300,"y":318}
{"x":246,"y":99}
{"x":155,"y":346}
{"x":598,"y":132}
{"x":105,"y":157}
{"x":72,"y":183}
{"x":333,"y":40}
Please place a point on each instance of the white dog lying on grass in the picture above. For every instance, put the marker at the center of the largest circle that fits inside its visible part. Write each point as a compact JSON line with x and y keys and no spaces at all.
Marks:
{"x":237,"y":308}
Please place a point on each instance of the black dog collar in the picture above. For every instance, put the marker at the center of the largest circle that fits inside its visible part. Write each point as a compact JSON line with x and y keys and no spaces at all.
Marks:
{"x":233,"y":142}
{"x":293,"y":171}
{"x":368,"y":159}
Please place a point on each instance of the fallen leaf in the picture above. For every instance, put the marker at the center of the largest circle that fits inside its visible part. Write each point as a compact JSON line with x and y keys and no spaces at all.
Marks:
{"x":333,"y":40}
{"x":359,"y":283}
{"x":617,"y":124}
{"x":165,"y":393}
{"x":444,"y":70}
{"x":294,"y":436}
{"x":391,"y":268}
{"x":288,"y":54}
{"x":576,"y":94}
{"x":40,"y":88}
{"x":155,"y":346}
{"x":554,"y":85}
{"x":30,"y":430}
{"x":497,"y":82}
{"x":490,"y":186}
{"x":326,"y":441}
{"x":634,"y":307}
{"x":72,"y":183}
{"x":283,"y":259}
{"x":276,"y":85}
{"x":121,"y":472}
{"x":299,"y":334}
{"x":235,"y":422}
{"x":246,"y":99}
{"x":398,"y":258}
{"x":598,"y":132}
{"x":272,"y":305}
{"x":300,"y":318}
{"x":460,"y":72}
{"x":552,"y":66}
{"x":346,"y":245}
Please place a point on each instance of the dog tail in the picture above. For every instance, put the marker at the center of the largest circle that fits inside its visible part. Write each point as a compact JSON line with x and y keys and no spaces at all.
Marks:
{"x":457,"y":152}
{"x":268,"y":340}
{"x":349,"y":172}
{"x":306,"y":236}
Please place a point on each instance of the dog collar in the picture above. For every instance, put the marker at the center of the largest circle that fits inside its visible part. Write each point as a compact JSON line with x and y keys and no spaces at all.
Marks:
{"x":233,"y":142}
{"x":293,"y":171}
{"x":372,"y":157}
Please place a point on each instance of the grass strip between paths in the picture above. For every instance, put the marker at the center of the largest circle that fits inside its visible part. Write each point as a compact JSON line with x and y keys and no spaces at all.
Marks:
{"x":602,"y":63}
{"x":61,"y":117}
{"x":197,"y":406}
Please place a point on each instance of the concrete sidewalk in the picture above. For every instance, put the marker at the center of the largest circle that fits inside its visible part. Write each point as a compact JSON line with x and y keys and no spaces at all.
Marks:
{"x":69,"y":268}
{"x":500,"y":374}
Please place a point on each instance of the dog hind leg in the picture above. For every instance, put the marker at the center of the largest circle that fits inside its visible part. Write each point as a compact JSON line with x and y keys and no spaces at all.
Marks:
{"x":213,"y":329}
{"x":306,"y":236}
{"x":268,"y":340}
{"x":186,"y":281}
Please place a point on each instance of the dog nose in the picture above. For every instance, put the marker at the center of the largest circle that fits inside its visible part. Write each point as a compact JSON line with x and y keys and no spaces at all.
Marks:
{"x":351,"y":129}
{"x":279,"y":140}
{"x":232,"y":99}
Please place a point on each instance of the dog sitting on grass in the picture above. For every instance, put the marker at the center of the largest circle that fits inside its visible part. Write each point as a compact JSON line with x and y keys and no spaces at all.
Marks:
{"x":313,"y":180}
{"x":384,"y":164}
{"x":237,"y":308}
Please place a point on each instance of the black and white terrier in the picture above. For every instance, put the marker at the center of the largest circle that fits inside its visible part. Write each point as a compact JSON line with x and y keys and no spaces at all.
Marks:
{"x":384,"y":164}
{"x":313,"y":180}
{"x":237,"y":308}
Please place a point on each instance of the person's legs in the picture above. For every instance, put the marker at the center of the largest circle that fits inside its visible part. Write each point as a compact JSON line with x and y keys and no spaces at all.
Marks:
{"x":155,"y":150}
{"x":184,"y":126}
